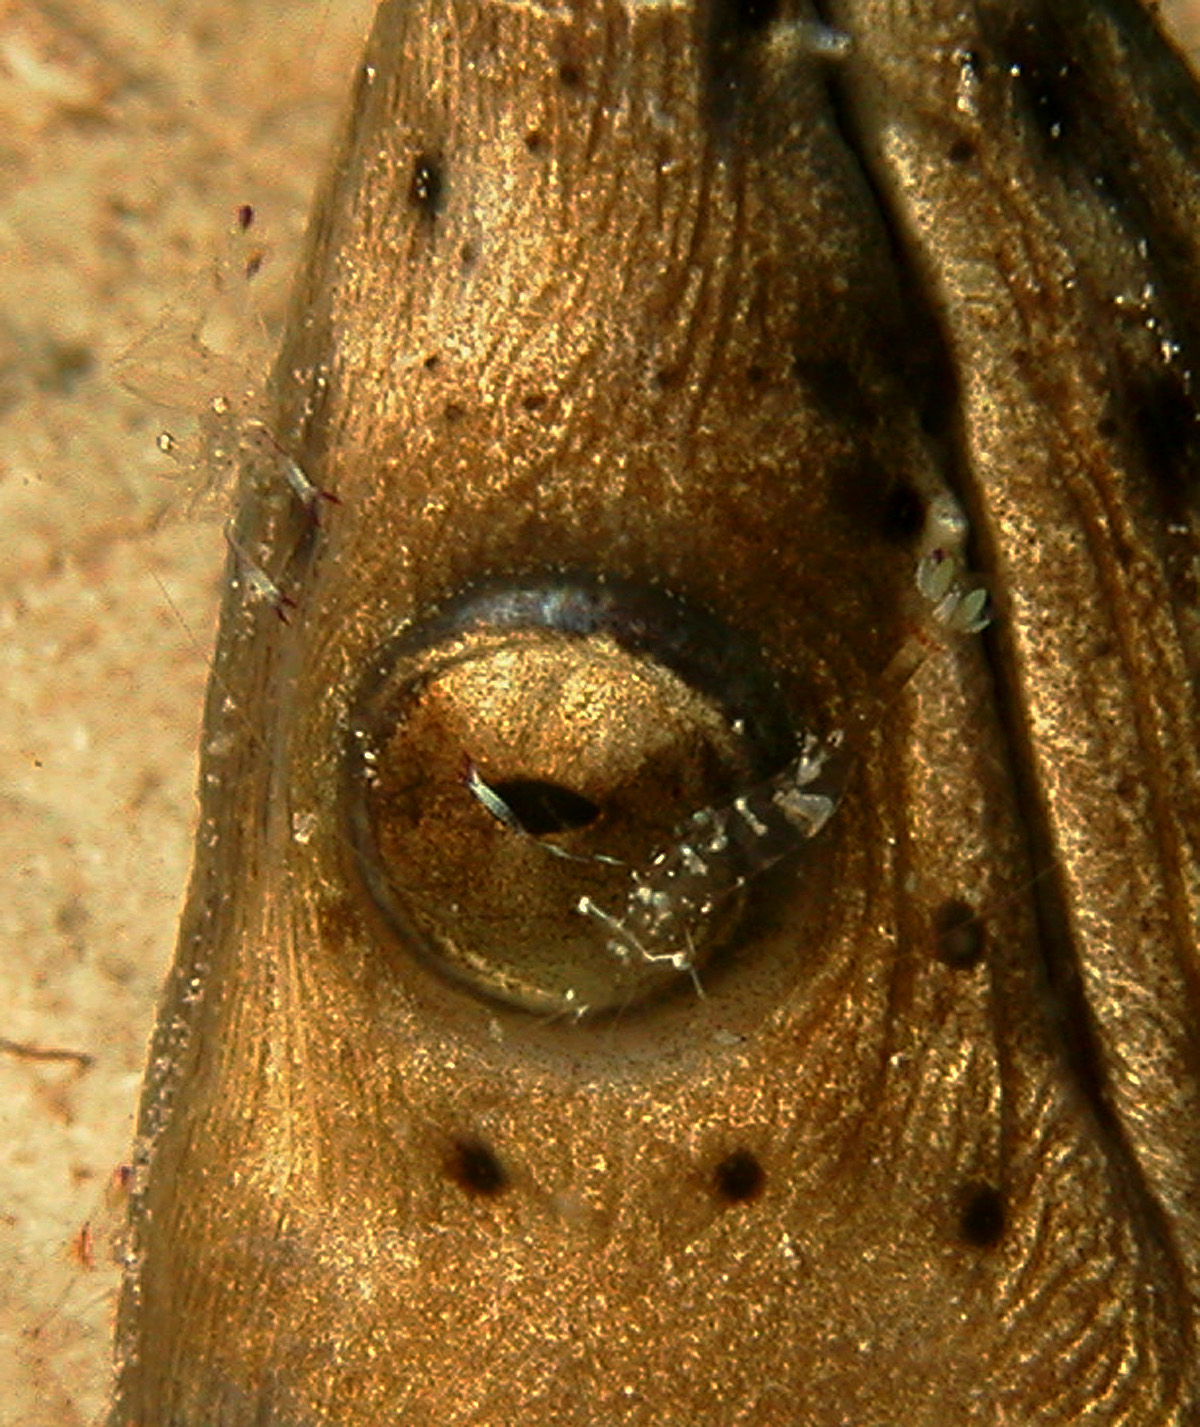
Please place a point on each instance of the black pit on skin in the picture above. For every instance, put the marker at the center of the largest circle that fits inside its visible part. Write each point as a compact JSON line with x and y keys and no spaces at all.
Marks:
{"x":960,"y":935}
{"x":739,"y":1178}
{"x":426,"y":190}
{"x":902,"y":517}
{"x":476,"y":1170}
{"x":875,"y":504}
{"x":981,"y":1221}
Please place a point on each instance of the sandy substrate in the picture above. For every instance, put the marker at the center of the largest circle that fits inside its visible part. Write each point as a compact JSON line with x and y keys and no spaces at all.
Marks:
{"x":129,"y":135}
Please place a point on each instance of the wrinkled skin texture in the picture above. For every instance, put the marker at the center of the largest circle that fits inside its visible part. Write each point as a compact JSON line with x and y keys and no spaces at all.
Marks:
{"x":660,"y":296}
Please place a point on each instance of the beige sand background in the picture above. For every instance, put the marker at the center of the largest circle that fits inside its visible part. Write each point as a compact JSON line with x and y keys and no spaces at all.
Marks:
{"x":130,"y":132}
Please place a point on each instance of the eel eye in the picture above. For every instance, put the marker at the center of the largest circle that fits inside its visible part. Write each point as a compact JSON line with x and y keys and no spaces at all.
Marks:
{"x":514,"y":759}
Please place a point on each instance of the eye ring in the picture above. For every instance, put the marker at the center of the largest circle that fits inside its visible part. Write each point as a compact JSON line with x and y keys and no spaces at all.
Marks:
{"x":600,"y":695}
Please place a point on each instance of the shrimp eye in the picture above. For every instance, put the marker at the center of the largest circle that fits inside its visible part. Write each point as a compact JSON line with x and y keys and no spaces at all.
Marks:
{"x":520,"y":753}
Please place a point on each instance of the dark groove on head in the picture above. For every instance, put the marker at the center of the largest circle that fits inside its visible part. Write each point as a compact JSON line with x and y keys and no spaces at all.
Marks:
{"x":733,"y":27}
{"x":1075,"y":97}
{"x":739,"y":1177}
{"x":1164,"y":421}
{"x":1046,"y":78}
{"x":475,"y":1169}
{"x":960,"y":935}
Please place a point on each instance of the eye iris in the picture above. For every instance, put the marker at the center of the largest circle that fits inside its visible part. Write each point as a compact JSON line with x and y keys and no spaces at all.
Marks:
{"x":576,"y":741}
{"x":569,"y":725}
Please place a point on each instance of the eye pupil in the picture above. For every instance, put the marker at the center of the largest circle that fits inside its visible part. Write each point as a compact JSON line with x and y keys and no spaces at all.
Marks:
{"x":542,"y":807}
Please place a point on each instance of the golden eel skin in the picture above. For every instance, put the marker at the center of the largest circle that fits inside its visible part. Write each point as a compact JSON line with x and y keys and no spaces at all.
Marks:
{"x":649,"y":352}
